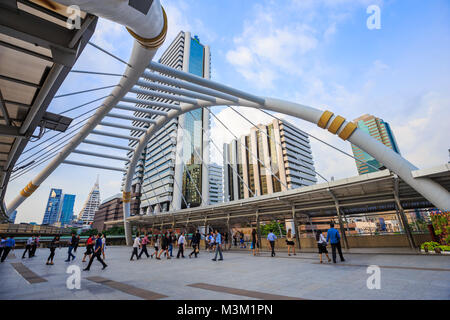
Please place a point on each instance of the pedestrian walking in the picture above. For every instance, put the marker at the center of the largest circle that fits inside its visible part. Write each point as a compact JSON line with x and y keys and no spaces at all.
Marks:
{"x":218,"y":242}
{"x":255,"y":242}
{"x":10,"y":244}
{"x":271,"y":237}
{"x":290,"y":241}
{"x":144,"y":243}
{"x":322,"y":245}
{"x":35,"y":245}
{"x":53,"y":245}
{"x":241,"y":236}
{"x":97,"y":253}
{"x":75,"y":247}
{"x":136,"y":246}
{"x":181,"y":241}
{"x":28,"y":247}
{"x":164,"y":246}
{"x":235,"y":239}
{"x":225,"y":241}
{"x":72,"y":244}
{"x":170,"y":243}
{"x":156,"y":245}
{"x":212,"y":242}
{"x":103,"y":246}
{"x":335,"y":240}
{"x":195,"y":244}
{"x":89,"y":248}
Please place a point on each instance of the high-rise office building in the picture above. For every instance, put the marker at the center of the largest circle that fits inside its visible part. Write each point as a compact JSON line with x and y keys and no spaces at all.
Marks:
{"x":215,"y":183}
{"x":66,"y":214}
{"x":378,"y":129}
{"x":277,"y":149}
{"x":91,"y":205}
{"x":172,"y":172}
{"x":53,"y":204}
{"x":13,"y":216}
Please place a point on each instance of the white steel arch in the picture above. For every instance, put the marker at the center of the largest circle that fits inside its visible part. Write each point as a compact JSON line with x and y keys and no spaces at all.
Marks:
{"x":210,"y":93}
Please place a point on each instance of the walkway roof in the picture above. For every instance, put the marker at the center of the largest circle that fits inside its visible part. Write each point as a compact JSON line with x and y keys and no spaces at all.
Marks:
{"x":37,"y":51}
{"x":373,"y":192}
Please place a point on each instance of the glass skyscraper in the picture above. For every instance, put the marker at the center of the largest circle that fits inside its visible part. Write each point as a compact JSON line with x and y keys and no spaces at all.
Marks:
{"x":66,"y":214}
{"x":52,"y":209}
{"x":378,"y":129}
{"x":172,"y":172}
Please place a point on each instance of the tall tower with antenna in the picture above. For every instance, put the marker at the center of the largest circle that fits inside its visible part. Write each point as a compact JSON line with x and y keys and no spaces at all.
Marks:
{"x":91,"y":205}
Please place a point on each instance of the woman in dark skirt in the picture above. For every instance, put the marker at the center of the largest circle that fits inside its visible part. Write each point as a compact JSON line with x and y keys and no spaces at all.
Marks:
{"x":255,"y":243}
{"x":89,"y":248}
{"x":322,"y":245}
{"x":290,"y":242}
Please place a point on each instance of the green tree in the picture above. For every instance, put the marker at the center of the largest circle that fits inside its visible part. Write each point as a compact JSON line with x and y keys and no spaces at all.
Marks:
{"x":275,"y":227}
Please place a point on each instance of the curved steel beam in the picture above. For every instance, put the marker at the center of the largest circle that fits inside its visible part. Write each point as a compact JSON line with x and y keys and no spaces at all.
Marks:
{"x":149,"y":30}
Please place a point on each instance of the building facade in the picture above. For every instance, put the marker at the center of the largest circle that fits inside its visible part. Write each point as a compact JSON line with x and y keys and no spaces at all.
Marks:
{"x":272,"y":158}
{"x":51,"y":214}
{"x":13,"y":216}
{"x":66,"y":214}
{"x":172,"y":172}
{"x":378,"y":129}
{"x":215,"y":183}
{"x":91,"y":205}
{"x":111,"y":209}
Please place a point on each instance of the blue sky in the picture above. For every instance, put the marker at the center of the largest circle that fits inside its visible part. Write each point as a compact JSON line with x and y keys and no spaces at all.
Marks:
{"x":315,"y":52}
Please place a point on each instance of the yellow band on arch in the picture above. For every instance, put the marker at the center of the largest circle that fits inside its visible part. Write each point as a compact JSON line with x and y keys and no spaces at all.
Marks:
{"x":126,"y":197}
{"x":153,"y":43}
{"x":336,"y":124}
{"x":28,"y":190}
{"x":348,"y":130}
{"x":323,"y":121}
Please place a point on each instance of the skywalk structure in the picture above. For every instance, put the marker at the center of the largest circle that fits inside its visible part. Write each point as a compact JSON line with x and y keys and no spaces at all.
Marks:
{"x":148,"y":27}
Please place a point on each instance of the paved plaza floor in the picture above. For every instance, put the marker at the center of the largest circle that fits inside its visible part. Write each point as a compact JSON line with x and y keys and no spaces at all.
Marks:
{"x":240,"y":276}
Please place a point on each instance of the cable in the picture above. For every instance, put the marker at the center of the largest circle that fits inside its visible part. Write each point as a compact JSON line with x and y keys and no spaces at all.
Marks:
{"x":275,"y":141}
{"x":256,"y":157}
{"x":66,"y":133}
{"x":310,"y":135}
{"x":83,"y":91}
{"x":221,"y":153}
{"x":109,"y":54}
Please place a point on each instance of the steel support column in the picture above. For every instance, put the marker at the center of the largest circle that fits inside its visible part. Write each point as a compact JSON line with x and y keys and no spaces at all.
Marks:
{"x":296,"y":227}
{"x":403,"y":219}
{"x":258,"y":228}
{"x":341,"y":222}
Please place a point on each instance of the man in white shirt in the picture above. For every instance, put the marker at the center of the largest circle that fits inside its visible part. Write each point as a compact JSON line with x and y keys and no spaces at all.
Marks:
{"x":181,"y":242}
{"x":136,"y":246}
{"x":28,"y":247}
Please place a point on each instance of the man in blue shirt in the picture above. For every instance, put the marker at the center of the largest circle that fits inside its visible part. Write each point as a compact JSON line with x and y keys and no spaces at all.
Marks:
{"x":97,"y":253}
{"x":334,"y":238}
{"x":272,"y":237}
{"x":10,"y":243}
{"x":218,"y":242}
